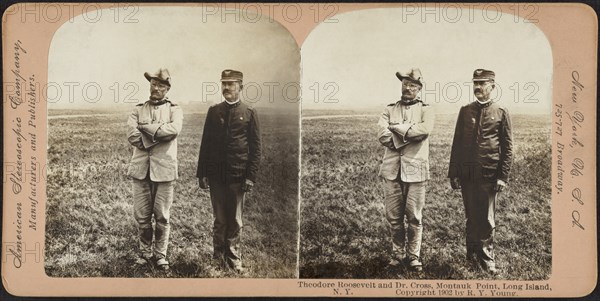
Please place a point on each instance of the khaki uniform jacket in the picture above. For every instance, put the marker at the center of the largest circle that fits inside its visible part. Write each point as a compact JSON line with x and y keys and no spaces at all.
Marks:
{"x":406,"y":152}
{"x":155,"y":142}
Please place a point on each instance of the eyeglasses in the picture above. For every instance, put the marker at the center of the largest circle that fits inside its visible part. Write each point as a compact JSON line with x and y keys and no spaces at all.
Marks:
{"x":159,"y":85}
{"x":410,"y":85}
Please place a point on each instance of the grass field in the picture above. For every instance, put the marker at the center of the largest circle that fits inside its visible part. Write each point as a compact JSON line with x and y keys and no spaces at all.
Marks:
{"x":90,"y":230}
{"x":343,"y":230}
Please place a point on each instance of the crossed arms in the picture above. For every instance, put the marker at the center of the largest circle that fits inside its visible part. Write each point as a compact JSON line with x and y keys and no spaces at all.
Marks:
{"x":144,"y":135}
{"x":397,"y":135}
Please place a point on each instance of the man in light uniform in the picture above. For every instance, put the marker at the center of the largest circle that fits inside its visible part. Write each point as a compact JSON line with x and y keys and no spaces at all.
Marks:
{"x":228,"y":164}
{"x":152,"y":129}
{"x":404,"y":128}
{"x":480,"y":164}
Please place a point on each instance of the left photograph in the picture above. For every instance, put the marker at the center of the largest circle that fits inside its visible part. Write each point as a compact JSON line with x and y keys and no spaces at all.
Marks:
{"x":173,"y":146}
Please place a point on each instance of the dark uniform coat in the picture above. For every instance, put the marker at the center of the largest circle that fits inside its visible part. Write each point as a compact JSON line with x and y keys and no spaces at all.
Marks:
{"x":482,"y":146}
{"x":231,"y":143}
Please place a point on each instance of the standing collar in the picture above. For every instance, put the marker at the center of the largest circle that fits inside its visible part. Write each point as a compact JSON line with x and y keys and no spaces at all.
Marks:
{"x":158,"y":103}
{"x":483,"y":104}
{"x":232,"y":104}
{"x":409,"y":102}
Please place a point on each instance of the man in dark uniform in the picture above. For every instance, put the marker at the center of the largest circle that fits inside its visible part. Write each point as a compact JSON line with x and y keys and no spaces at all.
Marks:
{"x":228,"y":164}
{"x":480,"y":163}
{"x":152,"y":129}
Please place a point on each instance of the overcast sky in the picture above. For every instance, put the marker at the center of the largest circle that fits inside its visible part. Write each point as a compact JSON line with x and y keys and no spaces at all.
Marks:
{"x":351,"y":62}
{"x":360,"y":54}
{"x":195,"y":48}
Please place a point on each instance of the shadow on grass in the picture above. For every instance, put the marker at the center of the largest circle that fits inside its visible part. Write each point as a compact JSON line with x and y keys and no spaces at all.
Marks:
{"x":374,"y":268}
{"x":367,"y":269}
{"x":378,"y":268}
{"x":441,"y":270}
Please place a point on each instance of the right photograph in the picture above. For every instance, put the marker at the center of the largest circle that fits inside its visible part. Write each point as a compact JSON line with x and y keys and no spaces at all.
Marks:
{"x":426,"y":150}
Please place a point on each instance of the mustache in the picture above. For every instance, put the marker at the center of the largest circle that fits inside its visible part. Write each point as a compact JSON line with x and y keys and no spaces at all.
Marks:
{"x":478,"y":90}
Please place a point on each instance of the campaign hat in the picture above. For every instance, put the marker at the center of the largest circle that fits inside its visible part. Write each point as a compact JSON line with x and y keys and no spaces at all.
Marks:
{"x":162,"y":75}
{"x":413,"y":75}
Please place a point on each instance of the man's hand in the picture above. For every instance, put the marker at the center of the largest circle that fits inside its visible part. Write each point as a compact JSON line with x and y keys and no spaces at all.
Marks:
{"x":455,"y":183}
{"x":499,"y":186}
{"x":203,"y":182}
{"x":247,"y":185}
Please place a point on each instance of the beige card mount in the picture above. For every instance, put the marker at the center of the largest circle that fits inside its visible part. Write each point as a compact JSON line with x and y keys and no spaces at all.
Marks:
{"x":316,"y":79}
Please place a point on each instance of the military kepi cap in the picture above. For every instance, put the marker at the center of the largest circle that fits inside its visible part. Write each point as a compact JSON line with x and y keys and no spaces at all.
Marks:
{"x":413,"y":74}
{"x":231,"y":76}
{"x":483,"y":75}
{"x":162,"y":75}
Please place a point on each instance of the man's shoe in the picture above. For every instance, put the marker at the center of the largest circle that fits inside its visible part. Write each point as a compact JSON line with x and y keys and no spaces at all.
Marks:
{"x":395,"y":262}
{"x":472,"y":262}
{"x":143,"y":259}
{"x":415,"y":264}
{"x":236,"y":266}
{"x":397,"y":259}
{"x":493,"y":270}
{"x":218,"y":260}
{"x":162,"y":264}
{"x":240,"y":270}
